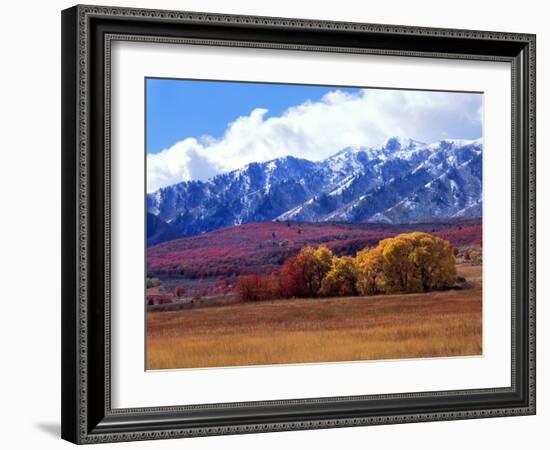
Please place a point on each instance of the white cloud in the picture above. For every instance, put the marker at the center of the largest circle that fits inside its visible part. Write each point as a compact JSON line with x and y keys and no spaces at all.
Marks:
{"x":316,"y":130}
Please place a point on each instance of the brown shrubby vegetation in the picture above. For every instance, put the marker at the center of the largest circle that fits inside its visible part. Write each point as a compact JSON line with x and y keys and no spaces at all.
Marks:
{"x":406,"y":263}
{"x":253,"y":288}
{"x":179,"y":290}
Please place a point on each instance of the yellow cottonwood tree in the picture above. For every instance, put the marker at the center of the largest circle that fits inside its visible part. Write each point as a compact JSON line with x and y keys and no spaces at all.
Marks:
{"x":324,"y":258}
{"x":434,"y":261}
{"x":341,"y":280}
{"x":370,"y":278}
{"x":408,"y":262}
{"x":398,"y":268}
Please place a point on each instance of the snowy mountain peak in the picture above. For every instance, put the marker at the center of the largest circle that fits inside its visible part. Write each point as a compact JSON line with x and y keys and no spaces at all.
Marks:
{"x":396,"y":143}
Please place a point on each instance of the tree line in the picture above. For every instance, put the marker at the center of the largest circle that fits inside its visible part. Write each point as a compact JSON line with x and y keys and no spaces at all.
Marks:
{"x":406,"y":263}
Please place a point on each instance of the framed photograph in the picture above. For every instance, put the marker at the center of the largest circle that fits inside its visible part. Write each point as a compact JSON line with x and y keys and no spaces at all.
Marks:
{"x":279,"y":224}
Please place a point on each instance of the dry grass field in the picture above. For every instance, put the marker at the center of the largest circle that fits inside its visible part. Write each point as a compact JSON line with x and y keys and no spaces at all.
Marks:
{"x":445,"y":323}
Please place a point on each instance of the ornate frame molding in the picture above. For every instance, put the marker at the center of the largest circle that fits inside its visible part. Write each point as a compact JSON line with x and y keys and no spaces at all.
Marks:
{"x":77,"y":414}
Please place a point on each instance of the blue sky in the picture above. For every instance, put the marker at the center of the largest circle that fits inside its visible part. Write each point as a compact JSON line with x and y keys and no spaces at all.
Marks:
{"x":198,"y":129}
{"x":177,"y":109}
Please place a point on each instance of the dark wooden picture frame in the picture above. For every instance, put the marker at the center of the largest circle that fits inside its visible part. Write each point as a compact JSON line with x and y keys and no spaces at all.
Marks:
{"x":87,"y":33}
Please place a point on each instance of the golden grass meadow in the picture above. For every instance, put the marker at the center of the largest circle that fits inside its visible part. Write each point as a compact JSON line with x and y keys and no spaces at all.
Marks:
{"x":434,"y":324}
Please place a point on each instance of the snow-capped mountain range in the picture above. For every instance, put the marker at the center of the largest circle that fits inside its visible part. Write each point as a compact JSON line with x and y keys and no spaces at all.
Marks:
{"x":403,"y":181}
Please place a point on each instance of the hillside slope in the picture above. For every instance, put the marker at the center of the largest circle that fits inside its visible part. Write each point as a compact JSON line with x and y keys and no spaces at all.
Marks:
{"x":262,"y":247}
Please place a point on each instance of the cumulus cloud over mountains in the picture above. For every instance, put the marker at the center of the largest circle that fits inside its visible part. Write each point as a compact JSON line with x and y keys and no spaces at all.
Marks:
{"x":316,"y":130}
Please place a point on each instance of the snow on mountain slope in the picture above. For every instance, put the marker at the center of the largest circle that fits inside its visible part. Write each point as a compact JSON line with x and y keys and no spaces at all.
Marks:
{"x":403,"y":181}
